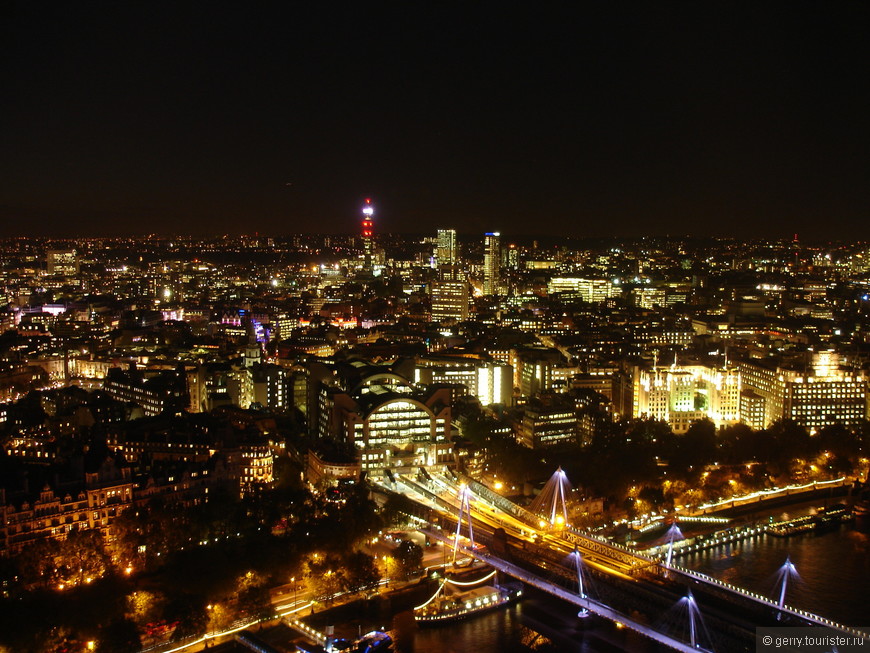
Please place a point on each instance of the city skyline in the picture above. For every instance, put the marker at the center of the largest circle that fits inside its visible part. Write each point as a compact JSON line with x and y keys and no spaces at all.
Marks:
{"x":244,"y":413}
{"x":732,"y":121}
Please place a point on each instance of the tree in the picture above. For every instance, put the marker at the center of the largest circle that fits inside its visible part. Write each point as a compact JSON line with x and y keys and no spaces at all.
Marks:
{"x":255,"y":602}
{"x":791,"y":438}
{"x":325,"y":575}
{"x":737,"y":444}
{"x":409,"y":556}
{"x":126,"y":538}
{"x":144,"y":607}
{"x":696,"y":449}
{"x":361,"y":573}
{"x":37,"y":563}
{"x":839,"y":442}
{"x":82,"y":556}
{"x":358,"y":518}
{"x":190,"y":614}
{"x":397,"y":509}
{"x":652,"y":496}
{"x":120,"y":636}
{"x":623,"y":455}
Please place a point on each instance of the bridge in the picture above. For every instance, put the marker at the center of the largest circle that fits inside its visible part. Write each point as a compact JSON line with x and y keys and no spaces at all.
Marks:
{"x":584,"y":603}
{"x":634,"y":590}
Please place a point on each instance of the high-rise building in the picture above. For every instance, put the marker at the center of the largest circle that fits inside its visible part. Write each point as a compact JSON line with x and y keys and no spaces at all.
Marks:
{"x":445,"y":252}
{"x":449,"y":301}
{"x":491,"y":263}
{"x":367,"y":232}
{"x":512,"y":257}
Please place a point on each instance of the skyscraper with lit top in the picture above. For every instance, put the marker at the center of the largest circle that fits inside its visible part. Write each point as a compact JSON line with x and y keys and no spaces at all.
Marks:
{"x":367,"y":230}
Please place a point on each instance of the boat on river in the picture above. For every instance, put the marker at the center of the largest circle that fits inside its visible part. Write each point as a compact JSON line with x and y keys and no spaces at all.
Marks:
{"x":451,"y":603}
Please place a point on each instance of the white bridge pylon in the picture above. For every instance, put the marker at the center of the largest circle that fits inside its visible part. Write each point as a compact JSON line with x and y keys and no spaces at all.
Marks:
{"x":674,"y":534}
{"x":464,"y":508}
{"x":787,"y":570}
{"x":581,"y":590}
{"x":552,"y":501}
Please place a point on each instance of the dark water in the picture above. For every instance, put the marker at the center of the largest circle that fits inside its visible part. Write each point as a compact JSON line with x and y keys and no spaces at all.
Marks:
{"x":539,"y":623}
{"x":834,"y":570}
{"x":835,"y":583}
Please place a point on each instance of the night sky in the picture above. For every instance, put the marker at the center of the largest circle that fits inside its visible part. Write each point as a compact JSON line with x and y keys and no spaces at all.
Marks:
{"x":722,"y":119}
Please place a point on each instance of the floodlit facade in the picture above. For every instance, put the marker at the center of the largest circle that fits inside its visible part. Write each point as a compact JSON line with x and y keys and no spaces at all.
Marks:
{"x":680,"y":395}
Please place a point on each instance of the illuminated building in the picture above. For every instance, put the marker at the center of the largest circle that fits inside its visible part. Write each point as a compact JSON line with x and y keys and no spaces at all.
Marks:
{"x":271,"y":385}
{"x":367,"y":233}
{"x":319,"y":471}
{"x":680,"y":395}
{"x":490,"y":381}
{"x":491,"y":263}
{"x":284,"y":325}
{"x":445,"y":252}
{"x":62,"y":262}
{"x":593,"y":291}
{"x":48,"y":516}
{"x":106,"y":491}
{"x":599,"y":383}
{"x":548,"y":421}
{"x":166,"y":391}
{"x":256,"y":466}
{"x":814,"y":399}
{"x":535,"y":370}
{"x":449,"y":300}
{"x":650,"y":298}
{"x":390,"y":425}
{"x":512,"y":257}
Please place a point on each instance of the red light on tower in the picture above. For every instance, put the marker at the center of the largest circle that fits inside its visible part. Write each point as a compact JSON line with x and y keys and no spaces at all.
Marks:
{"x":367,"y":230}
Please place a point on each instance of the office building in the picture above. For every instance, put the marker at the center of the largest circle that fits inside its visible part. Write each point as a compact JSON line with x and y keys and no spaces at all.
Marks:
{"x":491,"y":263}
{"x":62,"y":262}
{"x":449,"y":300}
{"x":814,"y":396}
{"x":445,"y":251}
{"x":390,"y":425}
{"x":491,"y":381}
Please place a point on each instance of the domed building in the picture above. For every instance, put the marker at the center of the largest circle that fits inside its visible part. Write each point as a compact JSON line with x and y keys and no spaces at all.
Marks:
{"x":390,"y":423}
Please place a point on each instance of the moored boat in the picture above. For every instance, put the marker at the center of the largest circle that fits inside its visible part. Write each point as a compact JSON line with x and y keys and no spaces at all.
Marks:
{"x":451,"y":605}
